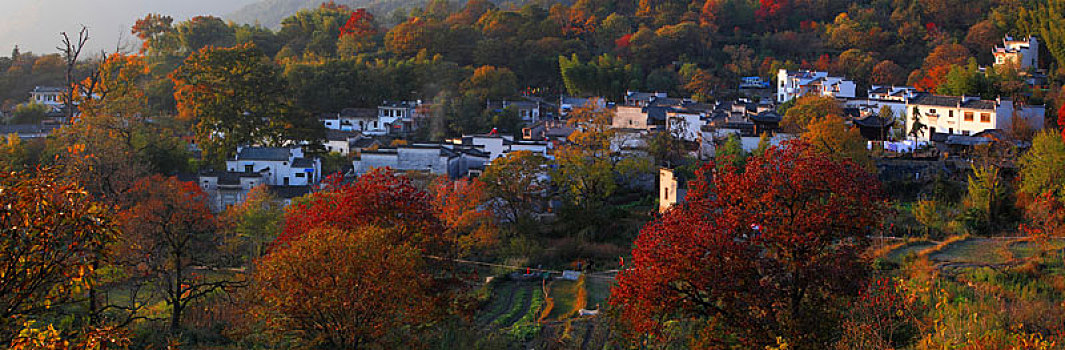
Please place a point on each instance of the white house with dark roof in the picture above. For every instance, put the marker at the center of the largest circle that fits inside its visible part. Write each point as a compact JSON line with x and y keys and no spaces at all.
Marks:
{"x":794,"y":84}
{"x":400,"y":117}
{"x":280,"y":166}
{"x":968,"y":115}
{"x":52,"y":97}
{"x":363,"y":120}
{"x":1021,"y":52}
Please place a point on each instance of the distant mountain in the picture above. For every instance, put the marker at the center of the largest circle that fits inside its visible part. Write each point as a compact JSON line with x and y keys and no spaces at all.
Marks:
{"x":269,"y":13}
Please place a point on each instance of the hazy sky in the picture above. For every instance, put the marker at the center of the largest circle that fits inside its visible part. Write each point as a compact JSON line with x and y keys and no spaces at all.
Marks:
{"x":35,"y":24}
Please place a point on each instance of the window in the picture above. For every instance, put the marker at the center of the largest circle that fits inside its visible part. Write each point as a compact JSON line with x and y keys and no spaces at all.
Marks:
{"x":950,"y":114}
{"x":667,"y":193}
{"x":300,"y":174}
{"x":249,"y":168}
{"x":985,"y":117}
{"x":968,"y":116}
{"x":932,"y":111}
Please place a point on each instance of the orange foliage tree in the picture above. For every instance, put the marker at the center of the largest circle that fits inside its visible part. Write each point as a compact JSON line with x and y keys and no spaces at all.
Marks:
{"x":344,"y":289}
{"x":756,"y":255}
{"x":51,"y":233}
{"x":170,"y":244}
{"x":392,"y":225}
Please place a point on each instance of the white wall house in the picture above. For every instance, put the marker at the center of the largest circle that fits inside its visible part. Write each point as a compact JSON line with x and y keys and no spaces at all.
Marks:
{"x":48,"y":96}
{"x":279,"y":166}
{"x":794,"y":84}
{"x":442,"y":159}
{"x":686,"y":125}
{"x":966,"y":115}
{"x":226,"y":189}
{"x":1021,"y":52}
{"x":401,"y":116}
{"x":363,"y":120}
{"x":671,"y":190}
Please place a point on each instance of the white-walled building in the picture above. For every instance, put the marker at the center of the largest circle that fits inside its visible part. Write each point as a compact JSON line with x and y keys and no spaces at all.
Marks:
{"x":280,"y":166}
{"x":401,"y":116}
{"x":967,"y":115}
{"x":52,"y":97}
{"x":671,"y":189}
{"x":794,"y":84}
{"x":453,"y":161}
{"x":363,"y":120}
{"x":1022,"y":52}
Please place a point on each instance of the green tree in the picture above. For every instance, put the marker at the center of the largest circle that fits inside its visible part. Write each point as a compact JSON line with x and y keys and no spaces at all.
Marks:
{"x":1041,"y":167}
{"x":235,"y":96}
{"x":256,"y":221}
{"x":205,"y":31}
{"x":519,"y":180}
{"x":807,"y":109}
{"x":29,"y":113}
{"x":491,"y":83}
{"x":731,"y":152}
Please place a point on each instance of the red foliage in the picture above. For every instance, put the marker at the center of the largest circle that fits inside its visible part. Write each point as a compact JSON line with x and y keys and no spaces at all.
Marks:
{"x":770,"y":10}
{"x":762,"y":252}
{"x":932,"y":78}
{"x":624,"y":41}
{"x":1061,"y":120}
{"x":378,"y":198}
{"x":359,"y":24}
{"x":447,"y":221}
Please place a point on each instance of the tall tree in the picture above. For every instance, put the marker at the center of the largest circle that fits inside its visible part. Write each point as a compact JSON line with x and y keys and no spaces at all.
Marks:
{"x":756,"y":256}
{"x":345,"y":289}
{"x":235,"y":96}
{"x":51,"y":229}
{"x":807,"y":109}
{"x":836,"y":139}
{"x":170,"y":242}
{"x":519,"y":182}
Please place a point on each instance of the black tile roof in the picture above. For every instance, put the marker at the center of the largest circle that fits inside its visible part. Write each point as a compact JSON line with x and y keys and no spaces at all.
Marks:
{"x":358,"y":112}
{"x":263,"y":153}
{"x":953,"y":101}
{"x":303,"y":163}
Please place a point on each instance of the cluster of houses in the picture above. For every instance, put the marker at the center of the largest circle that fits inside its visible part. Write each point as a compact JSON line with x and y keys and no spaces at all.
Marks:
{"x":377,"y":137}
{"x":946,"y":122}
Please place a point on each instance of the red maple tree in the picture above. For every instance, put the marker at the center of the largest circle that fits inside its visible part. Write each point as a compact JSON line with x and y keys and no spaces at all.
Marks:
{"x":761,"y":252}
{"x":360,"y":23}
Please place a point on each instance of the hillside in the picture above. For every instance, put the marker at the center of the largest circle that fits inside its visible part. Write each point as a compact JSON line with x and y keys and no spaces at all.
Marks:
{"x":270,"y":12}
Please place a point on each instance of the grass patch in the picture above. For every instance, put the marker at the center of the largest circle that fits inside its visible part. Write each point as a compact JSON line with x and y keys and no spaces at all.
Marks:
{"x":974,"y":250}
{"x":899,"y":253}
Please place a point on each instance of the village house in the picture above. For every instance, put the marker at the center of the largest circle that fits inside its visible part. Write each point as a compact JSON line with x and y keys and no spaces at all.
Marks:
{"x":433,"y":158}
{"x":529,"y":111}
{"x":29,"y":131}
{"x":548,"y":130}
{"x":794,"y":84}
{"x":363,"y":120}
{"x":280,"y":166}
{"x":346,"y":142}
{"x":968,"y":115}
{"x":566,"y":104}
{"x":647,"y":111}
{"x":671,"y":189}
{"x":402,"y":117}
{"x":1023,"y":53}
{"x":500,"y":145}
{"x":51,"y":97}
